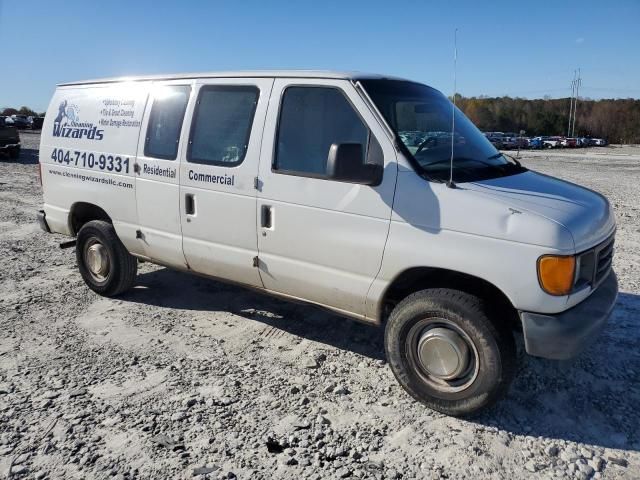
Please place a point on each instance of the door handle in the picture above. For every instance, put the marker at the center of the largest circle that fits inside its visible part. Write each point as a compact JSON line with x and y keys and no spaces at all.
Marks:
{"x":266,"y":216}
{"x":190,"y":204}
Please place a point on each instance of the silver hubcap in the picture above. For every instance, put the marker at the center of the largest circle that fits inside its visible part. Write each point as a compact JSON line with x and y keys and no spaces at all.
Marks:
{"x":443,"y":353}
{"x":97,"y":260}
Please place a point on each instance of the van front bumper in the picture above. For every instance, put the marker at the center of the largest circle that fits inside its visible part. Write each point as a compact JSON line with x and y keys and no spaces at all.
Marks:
{"x":565,"y":335}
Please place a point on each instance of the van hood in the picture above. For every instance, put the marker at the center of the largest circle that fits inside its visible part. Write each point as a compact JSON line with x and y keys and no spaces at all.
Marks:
{"x":586,"y":215}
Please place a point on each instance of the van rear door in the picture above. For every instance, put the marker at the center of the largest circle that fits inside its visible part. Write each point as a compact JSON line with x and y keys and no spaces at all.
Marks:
{"x":217,"y":189}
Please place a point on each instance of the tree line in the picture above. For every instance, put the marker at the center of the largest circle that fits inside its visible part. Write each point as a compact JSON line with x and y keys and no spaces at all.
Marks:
{"x":8,"y":111}
{"x":616,"y":120}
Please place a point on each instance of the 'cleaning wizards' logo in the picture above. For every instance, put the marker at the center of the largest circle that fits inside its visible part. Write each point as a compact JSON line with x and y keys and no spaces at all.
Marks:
{"x":68,"y":124}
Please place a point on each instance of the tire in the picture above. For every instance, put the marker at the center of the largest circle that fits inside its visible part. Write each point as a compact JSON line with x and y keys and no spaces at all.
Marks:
{"x":104,"y":263}
{"x":490,"y":362}
{"x":14,"y":153}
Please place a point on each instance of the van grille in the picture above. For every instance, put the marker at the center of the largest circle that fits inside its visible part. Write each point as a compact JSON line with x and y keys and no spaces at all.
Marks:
{"x":595,"y":264}
{"x":604,"y":255}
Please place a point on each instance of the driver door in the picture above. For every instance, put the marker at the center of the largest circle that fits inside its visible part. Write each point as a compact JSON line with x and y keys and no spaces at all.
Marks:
{"x":319,"y":239}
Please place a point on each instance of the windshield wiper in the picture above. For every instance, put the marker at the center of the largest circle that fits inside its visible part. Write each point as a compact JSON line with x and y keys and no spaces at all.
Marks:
{"x":502,"y":169}
{"x":460,"y":168}
{"x":463,"y":159}
{"x":506,"y":155}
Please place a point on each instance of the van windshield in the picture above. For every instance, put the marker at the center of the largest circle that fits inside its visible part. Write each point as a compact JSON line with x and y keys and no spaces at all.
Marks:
{"x":422,"y":119}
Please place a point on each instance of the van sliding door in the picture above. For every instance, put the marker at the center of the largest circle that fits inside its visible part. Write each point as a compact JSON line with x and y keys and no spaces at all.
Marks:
{"x":157,"y":166}
{"x":217,"y":178}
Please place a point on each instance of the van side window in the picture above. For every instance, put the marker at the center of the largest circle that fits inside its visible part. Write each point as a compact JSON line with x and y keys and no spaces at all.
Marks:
{"x":165,"y":121}
{"x":222,"y":124}
{"x":311,"y":119}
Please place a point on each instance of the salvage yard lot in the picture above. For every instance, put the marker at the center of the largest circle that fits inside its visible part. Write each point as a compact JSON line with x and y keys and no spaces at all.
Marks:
{"x":186,"y":376}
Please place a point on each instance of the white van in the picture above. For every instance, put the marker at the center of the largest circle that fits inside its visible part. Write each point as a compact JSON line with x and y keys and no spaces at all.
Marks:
{"x":347,"y":191}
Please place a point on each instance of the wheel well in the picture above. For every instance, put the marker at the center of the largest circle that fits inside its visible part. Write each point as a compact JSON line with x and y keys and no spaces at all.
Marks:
{"x":421,"y":278}
{"x":82,"y":213}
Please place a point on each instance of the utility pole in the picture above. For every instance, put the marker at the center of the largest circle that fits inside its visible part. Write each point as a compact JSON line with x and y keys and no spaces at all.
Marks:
{"x":573,"y":89}
{"x":575,"y":105}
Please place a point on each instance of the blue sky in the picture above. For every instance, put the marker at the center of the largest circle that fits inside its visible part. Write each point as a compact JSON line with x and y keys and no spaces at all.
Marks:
{"x":504,"y":48}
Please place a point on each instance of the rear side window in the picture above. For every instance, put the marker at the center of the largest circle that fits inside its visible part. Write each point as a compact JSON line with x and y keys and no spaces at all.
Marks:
{"x":165,"y":121}
{"x":222,"y":124}
{"x":311,"y":119}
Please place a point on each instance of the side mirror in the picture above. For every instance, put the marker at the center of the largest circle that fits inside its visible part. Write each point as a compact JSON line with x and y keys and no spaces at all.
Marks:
{"x":346,"y":163}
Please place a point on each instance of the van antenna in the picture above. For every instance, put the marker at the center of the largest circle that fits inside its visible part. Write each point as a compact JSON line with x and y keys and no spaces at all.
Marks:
{"x":450,"y":183}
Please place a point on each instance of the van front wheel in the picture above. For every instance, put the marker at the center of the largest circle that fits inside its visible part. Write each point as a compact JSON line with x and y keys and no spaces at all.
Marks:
{"x":104,"y":263}
{"x":446,"y":353}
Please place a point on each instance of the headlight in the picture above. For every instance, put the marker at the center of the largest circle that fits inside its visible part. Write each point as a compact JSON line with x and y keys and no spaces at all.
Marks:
{"x":556,"y":274}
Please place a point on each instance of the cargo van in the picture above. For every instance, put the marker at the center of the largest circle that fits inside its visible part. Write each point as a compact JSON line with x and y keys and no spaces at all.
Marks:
{"x":368,"y":195}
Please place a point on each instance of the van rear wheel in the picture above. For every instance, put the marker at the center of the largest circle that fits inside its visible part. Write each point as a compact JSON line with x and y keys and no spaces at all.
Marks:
{"x":104,"y":263}
{"x":446,"y":353}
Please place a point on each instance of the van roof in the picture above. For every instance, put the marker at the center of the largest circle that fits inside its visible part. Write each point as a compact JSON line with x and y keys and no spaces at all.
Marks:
{"x":242,"y":74}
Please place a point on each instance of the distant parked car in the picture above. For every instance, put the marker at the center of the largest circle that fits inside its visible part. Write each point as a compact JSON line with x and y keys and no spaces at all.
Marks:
{"x":9,"y":140}
{"x":536,"y":143}
{"x":36,"y":123}
{"x":494,"y":134}
{"x":551,"y":142}
{"x":599,"y":142}
{"x":18,"y":121}
{"x":509,"y":143}
{"x":569,"y":142}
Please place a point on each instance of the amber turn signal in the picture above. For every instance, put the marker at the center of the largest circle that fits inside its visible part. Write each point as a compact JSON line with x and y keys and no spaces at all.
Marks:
{"x":556,"y":274}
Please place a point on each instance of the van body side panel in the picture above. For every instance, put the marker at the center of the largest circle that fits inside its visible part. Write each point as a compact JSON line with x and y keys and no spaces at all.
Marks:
{"x":87,"y":151}
{"x":219,"y":236}
{"x":326,"y":238}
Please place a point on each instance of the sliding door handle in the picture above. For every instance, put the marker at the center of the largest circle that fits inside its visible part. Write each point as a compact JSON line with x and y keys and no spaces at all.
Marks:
{"x":190,"y":204}
{"x":266,"y":216}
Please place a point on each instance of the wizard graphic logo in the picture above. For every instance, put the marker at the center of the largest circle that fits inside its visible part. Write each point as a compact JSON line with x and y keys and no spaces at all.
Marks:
{"x":67,"y":124}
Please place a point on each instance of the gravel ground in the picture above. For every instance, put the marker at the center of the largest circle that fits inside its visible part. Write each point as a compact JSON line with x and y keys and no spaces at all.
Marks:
{"x":187,"y":377}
